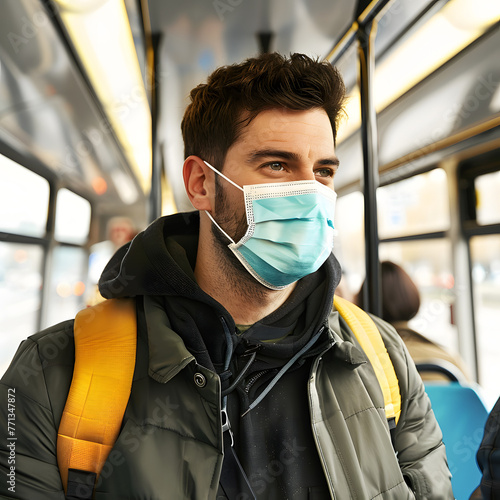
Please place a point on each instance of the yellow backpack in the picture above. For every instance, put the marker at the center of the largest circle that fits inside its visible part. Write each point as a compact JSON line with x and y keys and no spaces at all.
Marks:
{"x":367,"y":334}
{"x":105,"y":349}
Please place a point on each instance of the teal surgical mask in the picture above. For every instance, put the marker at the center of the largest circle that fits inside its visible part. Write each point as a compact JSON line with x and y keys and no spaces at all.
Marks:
{"x":290,"y":230}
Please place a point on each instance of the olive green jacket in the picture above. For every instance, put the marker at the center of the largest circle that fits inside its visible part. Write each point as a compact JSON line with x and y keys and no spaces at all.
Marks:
{"x":170,"y":445}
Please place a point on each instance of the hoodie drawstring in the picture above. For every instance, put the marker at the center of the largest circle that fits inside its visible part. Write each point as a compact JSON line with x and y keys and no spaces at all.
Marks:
{"x":283,"y":370}
{"x":240,"y":376}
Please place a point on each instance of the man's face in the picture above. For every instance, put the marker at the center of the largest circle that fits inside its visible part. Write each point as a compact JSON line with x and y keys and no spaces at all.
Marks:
{"x":277,"y":146}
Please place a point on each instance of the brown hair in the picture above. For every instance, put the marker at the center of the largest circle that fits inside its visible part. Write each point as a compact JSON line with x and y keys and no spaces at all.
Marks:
{"x":400,"y":296}
{"x":235,"y":94}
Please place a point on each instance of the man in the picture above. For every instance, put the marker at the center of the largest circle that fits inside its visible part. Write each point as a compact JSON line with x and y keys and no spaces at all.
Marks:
{"x":234,"y":313}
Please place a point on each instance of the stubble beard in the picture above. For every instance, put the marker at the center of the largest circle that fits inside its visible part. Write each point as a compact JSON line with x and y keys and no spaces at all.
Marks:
{"x":234,"y":273}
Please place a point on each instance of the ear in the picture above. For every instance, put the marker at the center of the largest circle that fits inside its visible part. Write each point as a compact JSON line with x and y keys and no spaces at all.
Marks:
{"x":199,"y":183}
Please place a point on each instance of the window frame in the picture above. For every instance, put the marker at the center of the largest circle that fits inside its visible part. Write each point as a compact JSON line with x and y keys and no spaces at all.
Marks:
{"x":47,"y":241}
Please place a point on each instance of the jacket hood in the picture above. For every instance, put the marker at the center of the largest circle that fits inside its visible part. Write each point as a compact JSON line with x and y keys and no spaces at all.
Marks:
{"x":160,"y":261}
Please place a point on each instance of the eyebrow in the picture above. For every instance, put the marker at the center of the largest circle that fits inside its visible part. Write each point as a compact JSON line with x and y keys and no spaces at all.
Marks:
{"x":287,"y":155}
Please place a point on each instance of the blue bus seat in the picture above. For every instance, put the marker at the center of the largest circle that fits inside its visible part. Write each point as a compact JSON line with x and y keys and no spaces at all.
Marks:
{"x":461,"y":414}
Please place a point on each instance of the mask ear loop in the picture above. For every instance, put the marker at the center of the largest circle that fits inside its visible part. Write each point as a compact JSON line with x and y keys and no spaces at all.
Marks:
{"x":223,"y":176}
{"x":220,"y":229}
{"x":235,"y":185}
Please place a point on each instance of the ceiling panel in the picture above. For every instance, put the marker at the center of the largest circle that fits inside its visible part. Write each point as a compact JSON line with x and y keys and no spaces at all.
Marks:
{"x":46,"y":108}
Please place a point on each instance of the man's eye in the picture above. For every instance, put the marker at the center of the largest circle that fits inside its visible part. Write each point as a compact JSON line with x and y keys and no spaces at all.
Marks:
{"x":275,"y":166}
{"x":325,"y":172}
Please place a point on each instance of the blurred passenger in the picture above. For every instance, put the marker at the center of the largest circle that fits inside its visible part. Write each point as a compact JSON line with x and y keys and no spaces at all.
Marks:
{"x":119,"y":230}
{"x":234,"y":323}
{"x":400,"y":303}
{"x":488,"y":458}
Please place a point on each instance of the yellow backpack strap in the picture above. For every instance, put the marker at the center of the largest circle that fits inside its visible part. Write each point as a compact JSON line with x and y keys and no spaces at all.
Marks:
{"x":105,"y":348}
{"x":372,"y":343}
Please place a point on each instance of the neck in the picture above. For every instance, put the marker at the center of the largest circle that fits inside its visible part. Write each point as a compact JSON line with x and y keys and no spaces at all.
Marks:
{"x":228,"y":282}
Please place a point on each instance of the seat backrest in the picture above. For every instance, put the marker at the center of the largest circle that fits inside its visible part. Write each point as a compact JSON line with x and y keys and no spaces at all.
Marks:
{"x":443,"y":367}
{"x":461,"y":414}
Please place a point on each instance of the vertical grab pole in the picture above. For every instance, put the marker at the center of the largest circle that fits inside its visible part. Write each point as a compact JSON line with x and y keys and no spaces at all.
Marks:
{"x":153,"y":45}
{"x":366,"y":62}
{"x":156,"y":167}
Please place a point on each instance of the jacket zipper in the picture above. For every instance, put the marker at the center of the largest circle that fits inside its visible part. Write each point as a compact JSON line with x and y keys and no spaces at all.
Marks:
{"x":254,"y":379}
{"x":314,"y":370}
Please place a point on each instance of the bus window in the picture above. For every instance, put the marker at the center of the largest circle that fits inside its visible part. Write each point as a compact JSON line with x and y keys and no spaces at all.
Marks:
{"x":349,"y":246}
{"x":72,"y":218}
{"x":349,"y":148}
{"x":67,"y":284}
{"x":488,"y":202}
{"x":485,"y":256}
{"x":414,"y":206}
{"x":20,"y":295}
{"x":24,"y":200}
{"x":428,"y":262}
{"x":348,"y":67}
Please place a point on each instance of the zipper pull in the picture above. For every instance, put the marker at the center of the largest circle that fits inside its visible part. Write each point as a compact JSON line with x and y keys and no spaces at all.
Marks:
{"x":226,"y":426}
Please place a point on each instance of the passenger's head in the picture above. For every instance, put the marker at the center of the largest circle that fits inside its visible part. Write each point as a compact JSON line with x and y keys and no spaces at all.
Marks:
{"x":234,"y":95}
{"x":120,"y":230}
{"x":400,"y":296}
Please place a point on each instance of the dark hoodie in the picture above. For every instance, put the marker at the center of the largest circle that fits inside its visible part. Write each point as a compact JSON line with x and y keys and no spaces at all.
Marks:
{"x":273,"y":441}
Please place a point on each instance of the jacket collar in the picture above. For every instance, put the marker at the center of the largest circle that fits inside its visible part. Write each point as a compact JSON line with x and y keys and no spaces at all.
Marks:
{"x":344,"y":350}
{"x":167,"y":353}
